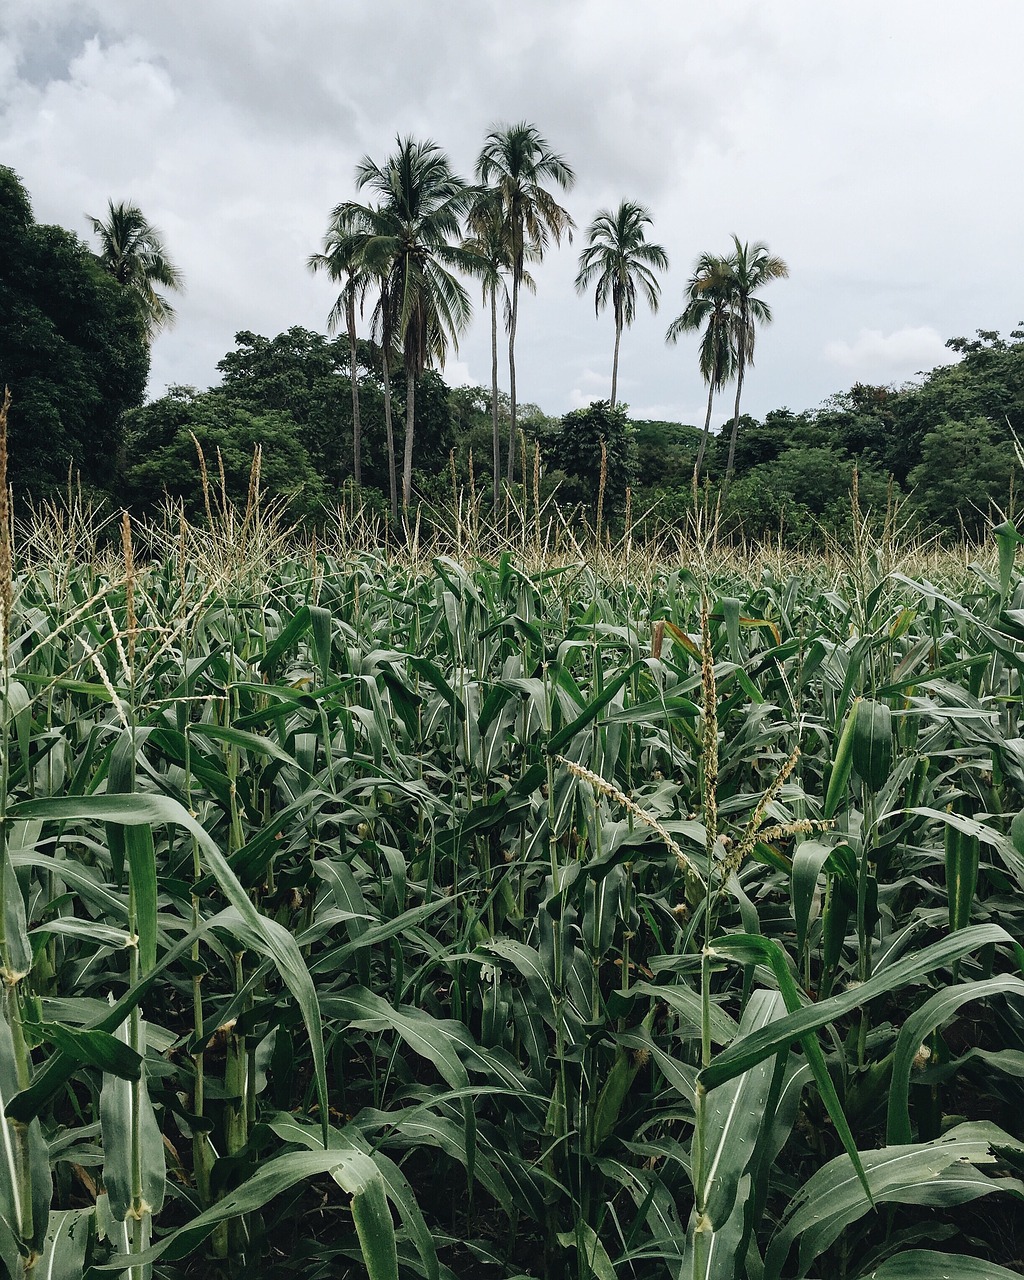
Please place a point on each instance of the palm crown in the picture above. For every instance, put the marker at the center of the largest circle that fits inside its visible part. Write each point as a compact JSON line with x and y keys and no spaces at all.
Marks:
{"x":132,"y":251}
{"x":621,"y":260}
{"x":514,"y":164}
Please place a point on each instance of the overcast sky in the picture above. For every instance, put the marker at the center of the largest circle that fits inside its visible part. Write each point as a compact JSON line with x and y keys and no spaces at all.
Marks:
{"x":875,"y":146}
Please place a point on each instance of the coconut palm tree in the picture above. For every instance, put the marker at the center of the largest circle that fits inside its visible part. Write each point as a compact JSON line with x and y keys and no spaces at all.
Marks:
{"x":488,"y":240}
{"x":342,"y":260}
{"x":411,"y":244}
{"x":515,"y":163}
{"x":708,"y":306}
{"x":132,"y":251}
{"x":751,"y":267}
{"x":619,"y":257}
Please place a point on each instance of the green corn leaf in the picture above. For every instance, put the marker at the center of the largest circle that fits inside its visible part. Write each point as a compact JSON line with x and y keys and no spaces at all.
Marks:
{"x":138,"y":810}
{"x":271,"y":1179}
{"x":321,"y":624}
{"x":592,"y":709}
{"x":808,"y":859}
{"x":289,"y":636}
{"x":872,"y":743}
{"x":924,"y":1264}
{"x":15,"y":946}
{"x":141,"y":854}
{"x":432,"y":1038}
{"x":842,"y":763}
{"x":963,"y":855}
{"x":745,"y":1052}
{"x":361,"y":1178}
{"x":768,"y":951}
{"x":1007,"y":540}
{"x":25,"y":1184}
{"x":67,"y":1237}
{"x":935,"y":1010}
{"x":93,"y":1049}
{"x":585,"y":1240}
{"x":253,"y":742}
{"x":1008,"y":854}
{"x":126,"y":1110}
{"x":939,"y":1173}
{"x":733,"y":1118}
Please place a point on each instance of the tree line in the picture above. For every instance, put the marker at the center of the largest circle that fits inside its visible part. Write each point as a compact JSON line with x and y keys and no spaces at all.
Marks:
{"x":76,"y":325}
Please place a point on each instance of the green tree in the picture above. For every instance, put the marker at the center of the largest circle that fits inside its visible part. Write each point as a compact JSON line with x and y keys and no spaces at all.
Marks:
{"x":132,"y":251}
{"x":161,"y":456}
{"x":342,"y":260}
{"x":751,"y":267}
{"x":593,"y":447}
{"x":307,"y":376}
{"x":620,"y":259}
{"x":73,"y":351}
{"x":963,"y":480}
{"x":411,"y":242}
{"x":515,"y":163}
{"x":709,"y":298}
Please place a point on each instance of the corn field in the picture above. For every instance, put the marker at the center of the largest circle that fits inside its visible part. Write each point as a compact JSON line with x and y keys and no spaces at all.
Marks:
{"x":461,"y":917}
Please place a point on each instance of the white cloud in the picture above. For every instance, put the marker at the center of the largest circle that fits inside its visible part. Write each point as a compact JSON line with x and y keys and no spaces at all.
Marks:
{"x":874,"y":356}
{"x":456,"y":373}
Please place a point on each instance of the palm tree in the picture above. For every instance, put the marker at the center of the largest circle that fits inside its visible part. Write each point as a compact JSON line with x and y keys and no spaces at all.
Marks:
{"x":489,"y":242}
{"x":515,"y":161}
{"x":410,"y":245}
{"x":342,"y":260}
{"x":619,"y":257}
{"x":132,"y":251}
{"x":708,"y":305}
{"x":751,"y":267}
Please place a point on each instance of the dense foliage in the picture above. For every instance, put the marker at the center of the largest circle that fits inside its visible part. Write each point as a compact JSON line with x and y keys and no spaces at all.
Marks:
{"x":73,"y":351}
{"x":502,"y":898}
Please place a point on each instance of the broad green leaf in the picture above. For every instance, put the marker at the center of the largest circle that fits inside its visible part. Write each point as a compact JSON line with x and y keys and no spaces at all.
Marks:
{"x":808,"y":859}
{"x":939,"y":1173}
{"x":361,"y":1178}
{"x":748,"y":1050}
{"x":731,"y":1121}
{"x":924,"y":1264}
{"x":93,"y":1049}
{"x":585,"y":1240}
{"x":139,"y":810}
{"x":132,"y":1145}
{"x":271,"y":1179}
{"x":935,"y":1010}
{"x":67,"y":1238}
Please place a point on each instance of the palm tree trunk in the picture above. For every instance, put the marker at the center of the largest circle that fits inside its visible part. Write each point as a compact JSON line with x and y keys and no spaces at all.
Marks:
{"x":615,"y":359}
{"x":357,"y":428}
{"x":390,"y":434}
{"x":707,"y":432}
{"x":495,"y":434}
{"x":410,"y":418}
{"x":512,"y":375}
{"x":741,"y":361}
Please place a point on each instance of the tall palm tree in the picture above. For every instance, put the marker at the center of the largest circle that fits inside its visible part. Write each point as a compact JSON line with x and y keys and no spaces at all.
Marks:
{"x":619,"y":257}
{"x":708,"y":305}
{"x":488,"y":240}
{"x":751,"y":267}
{"x":412,"y":244}
{"x":342,"y":260}
{"x":515,"y":163}
{"x":132,"y":251}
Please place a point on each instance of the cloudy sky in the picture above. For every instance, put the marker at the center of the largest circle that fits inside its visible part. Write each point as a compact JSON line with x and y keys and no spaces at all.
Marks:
{"x":875,"y":146}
